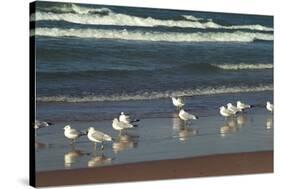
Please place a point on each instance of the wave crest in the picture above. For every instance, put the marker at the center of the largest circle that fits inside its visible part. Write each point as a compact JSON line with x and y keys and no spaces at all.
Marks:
{"x":155,"y":36}
{"x":104,"y":16}
{"x":155,"y":95}
{"x":243,"y":66}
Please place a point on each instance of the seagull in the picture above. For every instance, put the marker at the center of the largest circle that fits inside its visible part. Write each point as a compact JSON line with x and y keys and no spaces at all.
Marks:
{"x":225,"y":112}
{"x":185,"y":116}
{"x":241,"y":106}
{"x":41,"y":124}
{"x":269,"y":106}
{"x":178,"y":102}
{"x":72,"y":134}
{"x":232,"y":108}
{"x":98,"y":136}
{"x":126,"y":118}
{"x":119,"y":125}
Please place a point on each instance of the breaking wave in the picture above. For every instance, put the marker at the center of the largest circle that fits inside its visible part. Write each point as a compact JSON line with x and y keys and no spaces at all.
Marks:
{"x":154,"y":95}
{"x":105,"y":16}
{"x":243,"y":66}
{"x":237,"y":36}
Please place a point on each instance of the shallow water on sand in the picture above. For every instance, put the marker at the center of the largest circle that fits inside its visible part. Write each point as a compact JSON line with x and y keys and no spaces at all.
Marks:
{"x":158,"y":137}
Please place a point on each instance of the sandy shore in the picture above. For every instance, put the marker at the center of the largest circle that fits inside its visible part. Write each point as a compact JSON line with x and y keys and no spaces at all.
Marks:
{"x":213,"y":165}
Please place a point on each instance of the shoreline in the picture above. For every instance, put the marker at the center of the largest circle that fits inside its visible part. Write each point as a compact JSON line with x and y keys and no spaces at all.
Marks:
{"x":202,"y":166}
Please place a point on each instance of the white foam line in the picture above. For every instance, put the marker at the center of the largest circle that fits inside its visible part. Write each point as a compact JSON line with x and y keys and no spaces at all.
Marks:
{"x":236,"y":36}
{"x":243,"y":66}
{"x":127,"y":20}
{"x":156,"y":95}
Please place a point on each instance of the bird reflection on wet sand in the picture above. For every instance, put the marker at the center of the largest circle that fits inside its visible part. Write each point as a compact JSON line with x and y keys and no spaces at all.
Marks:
{"x":241,"y":120}
{"x":73,"y":156}
{"x":269,"y":123}
{"x":125,"y":141}
{"x":183,"y":131}
{"x":40,"y":146}
{"x":229,"y":127}
{"x":99,"y":160}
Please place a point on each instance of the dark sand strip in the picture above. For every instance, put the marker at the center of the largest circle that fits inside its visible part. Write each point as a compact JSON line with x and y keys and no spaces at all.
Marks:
{"x":213,"y":165}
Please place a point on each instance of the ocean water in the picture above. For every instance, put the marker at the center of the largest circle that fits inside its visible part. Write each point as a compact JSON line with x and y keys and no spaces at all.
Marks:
{"x":87,"y":53}
{"x":94,"y":61}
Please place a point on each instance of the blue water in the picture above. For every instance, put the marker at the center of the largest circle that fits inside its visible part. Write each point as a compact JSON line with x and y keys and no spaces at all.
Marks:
{"x":88,"y":53}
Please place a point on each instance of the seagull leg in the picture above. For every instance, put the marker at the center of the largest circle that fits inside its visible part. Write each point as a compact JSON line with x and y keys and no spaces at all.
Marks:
{"x":95,"y":146}
{"x":102,"y":147}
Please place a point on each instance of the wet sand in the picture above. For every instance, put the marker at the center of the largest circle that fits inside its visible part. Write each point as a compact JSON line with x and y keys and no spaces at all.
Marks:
{"x":155,"y":139}
{"x":212,"y":165}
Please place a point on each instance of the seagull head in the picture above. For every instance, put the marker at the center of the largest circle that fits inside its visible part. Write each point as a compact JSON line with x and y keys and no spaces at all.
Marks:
{"x":267,"y":102}
{"x":222,"y":108}
{"x":67,"y":127}
{"x":239,"y":102}
{"x":229,"y":105}
{"x":91,"y":129}
{"x":122,"y":113}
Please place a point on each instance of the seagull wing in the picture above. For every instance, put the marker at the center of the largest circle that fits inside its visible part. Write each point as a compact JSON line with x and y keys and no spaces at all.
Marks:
{"x":74,"y":132}
{"x":98,"y":135}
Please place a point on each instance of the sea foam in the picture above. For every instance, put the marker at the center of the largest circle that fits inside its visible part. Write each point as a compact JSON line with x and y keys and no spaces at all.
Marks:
{"x":155,"y":95}
{"x":237,"y":36}
{"x":105,"y":16}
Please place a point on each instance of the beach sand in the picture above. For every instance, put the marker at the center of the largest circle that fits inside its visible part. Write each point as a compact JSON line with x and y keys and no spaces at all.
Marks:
{"x":212,"y":165}
{"x":161,"y":147}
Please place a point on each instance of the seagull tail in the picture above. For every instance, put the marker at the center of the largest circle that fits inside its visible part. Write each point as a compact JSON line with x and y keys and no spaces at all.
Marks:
{"x":82,"y":133}
{"x":136,"y":120}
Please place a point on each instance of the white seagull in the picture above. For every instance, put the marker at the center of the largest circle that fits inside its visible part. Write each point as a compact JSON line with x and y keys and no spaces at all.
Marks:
{"x":72,"y":134}
{"x":126,"y":118}
{"x":186,"y":116}
{"x":241,"y":106}
{"x":225,"y":112}
{"x":232,"y":108}
{"x":178,"y":102}
{"x":98,"y":136}
{"x":269,"y":106}
{"x":120,"y":125}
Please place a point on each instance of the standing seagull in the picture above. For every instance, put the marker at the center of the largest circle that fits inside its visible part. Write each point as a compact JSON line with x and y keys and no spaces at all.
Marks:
{"x":269,"y":106}
{"x":232,"y":108}
{"x":41,"y":124}
{"x":120,"y":125}
{"x":72,"y":134}
{"x":185,"y":116}
{"x":241,"y":106}
{"x":225,"y":112}
{"x":178,"y":102}
{"x":98,"y":137}
{"x":126,"y":118}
